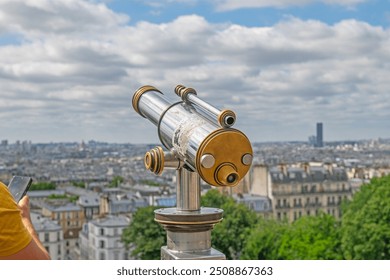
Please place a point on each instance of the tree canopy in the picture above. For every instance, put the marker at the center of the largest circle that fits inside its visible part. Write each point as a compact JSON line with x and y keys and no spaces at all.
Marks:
{"x":366,"y":222}
{"x":231,"y":234}
{"x":144,"y":236}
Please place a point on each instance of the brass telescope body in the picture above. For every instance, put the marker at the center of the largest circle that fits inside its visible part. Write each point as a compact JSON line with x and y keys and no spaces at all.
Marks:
{"x":196,"y":135}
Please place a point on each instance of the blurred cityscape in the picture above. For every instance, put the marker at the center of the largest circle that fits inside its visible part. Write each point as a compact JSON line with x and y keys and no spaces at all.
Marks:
{"x":100,"y":185}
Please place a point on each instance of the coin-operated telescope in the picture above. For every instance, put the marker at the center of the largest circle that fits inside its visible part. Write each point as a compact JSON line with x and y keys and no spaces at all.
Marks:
{"x":200,"y":143}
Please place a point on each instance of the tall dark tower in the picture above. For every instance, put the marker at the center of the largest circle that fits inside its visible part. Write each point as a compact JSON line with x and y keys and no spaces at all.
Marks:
{"x":320,"y":142}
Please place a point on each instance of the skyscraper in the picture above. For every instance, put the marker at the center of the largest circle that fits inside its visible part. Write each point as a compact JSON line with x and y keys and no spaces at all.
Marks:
{"x":320,"y":142}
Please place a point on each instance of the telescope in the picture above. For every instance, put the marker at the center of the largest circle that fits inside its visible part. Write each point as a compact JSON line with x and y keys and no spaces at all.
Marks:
{"x":200,"y":143}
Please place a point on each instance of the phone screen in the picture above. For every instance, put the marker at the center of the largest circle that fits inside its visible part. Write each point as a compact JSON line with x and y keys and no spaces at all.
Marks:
{"x":18,"y":186}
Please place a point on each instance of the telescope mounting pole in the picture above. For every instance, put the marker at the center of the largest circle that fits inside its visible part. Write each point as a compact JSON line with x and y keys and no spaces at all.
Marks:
{"x":189,"y":225}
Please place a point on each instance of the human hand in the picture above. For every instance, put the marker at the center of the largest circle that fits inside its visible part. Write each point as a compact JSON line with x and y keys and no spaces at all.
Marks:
{"x":24,"y":206}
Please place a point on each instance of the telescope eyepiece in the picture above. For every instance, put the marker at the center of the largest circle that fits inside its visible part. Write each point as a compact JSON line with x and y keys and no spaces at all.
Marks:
{"x":226,"y":175}
{"x":229,"y":120}
{"x":231,"y":178}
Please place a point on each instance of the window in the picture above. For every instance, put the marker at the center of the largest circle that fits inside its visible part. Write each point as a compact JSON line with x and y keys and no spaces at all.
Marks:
{"x":102,"y":256}
{"x":101,"y":244}
{"x":46,"y":237}
{"x":101,"y":231}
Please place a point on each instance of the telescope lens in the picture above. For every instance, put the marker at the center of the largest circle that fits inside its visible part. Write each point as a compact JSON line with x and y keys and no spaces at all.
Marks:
{"x":231,"y":178}
{"x":229,"y":120}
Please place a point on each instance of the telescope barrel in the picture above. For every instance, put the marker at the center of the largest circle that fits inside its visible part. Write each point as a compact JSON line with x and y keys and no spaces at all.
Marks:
{"x":221,"y":156}
{"x":224,"y":118}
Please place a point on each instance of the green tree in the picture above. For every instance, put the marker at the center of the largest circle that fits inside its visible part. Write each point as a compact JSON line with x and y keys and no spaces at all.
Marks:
{"x":264,"y":241}
{"x":144,"y":235}
{"x":115,"y":182}
{"x":43,"y":186}
{"x":366,"y":222}
{"x":311,"y":238}
{"x":230,"y":235}
{"x":79,"y":184}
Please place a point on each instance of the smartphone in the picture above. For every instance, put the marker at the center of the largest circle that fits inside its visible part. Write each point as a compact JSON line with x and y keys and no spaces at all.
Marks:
{"x":18,"y":186}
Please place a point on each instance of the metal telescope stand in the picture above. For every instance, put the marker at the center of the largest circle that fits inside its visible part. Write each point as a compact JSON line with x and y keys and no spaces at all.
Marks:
{"x":189,"y":225}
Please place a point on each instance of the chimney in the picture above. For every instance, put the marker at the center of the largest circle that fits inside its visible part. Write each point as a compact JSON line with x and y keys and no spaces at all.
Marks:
{"x":283,"y":168}
{"x":306,"y":167}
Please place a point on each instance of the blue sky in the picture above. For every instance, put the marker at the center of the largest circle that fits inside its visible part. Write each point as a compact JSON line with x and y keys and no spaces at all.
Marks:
{"x":68,"y":68}
{"x":376,"y":12}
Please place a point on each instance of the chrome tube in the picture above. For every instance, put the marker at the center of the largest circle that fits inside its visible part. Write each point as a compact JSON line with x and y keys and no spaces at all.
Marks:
{"x":184,"y":131}
{"x":150,"y":103}
{"x":188,"y":190}
{"x":224,"y":118}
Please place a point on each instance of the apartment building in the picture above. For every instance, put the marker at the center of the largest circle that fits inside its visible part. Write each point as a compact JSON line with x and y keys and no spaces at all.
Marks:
{"x":302,"y":190}
{"x":71,"y":218}
{"x":100,"y":239}
{"x":50,"y":234}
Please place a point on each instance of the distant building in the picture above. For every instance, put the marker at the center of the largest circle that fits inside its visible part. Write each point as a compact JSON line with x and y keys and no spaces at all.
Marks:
{"x":120,"y":203}
{"x":70,"y":217}
{"x":305,"y":190}
{"x":50,"y":234}
{"x":90,"y":205}
{"x":260,"y":204}
{"x":312,"y":140}
{"x":4,"y":143}
{"x":100,"y":239}
{"x":320,"y":135}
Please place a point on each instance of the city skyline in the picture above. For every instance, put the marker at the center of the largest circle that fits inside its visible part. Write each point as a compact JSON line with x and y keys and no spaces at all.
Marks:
{"x":69,"y":69}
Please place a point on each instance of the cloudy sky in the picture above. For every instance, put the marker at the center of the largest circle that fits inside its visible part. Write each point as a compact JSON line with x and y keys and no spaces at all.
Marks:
{"x":69,"y":68}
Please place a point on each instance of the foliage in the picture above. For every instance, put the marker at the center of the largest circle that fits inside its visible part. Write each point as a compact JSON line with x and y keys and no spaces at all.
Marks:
{"x":264,"y":241}
{"x":71,"y":198}
{"x":79,"y":184}
{"x":213,"y":198}
{"x":116,"y":181}
{"x":307,"y":238}
{"x":42,"y":186}
{"x":366,"y":222}
{"x":311,"y":238}
{"x":150,"y":183}
{"x":231,"y":234}
{"x":145,"y":235}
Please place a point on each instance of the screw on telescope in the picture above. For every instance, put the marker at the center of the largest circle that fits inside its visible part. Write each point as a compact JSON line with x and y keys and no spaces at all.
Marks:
{"x":247,"y":159}
{"x":207,"y":161}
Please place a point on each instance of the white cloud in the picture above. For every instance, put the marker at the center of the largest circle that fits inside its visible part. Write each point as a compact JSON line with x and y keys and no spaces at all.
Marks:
{"x":77,"y":82}
{"x":228,"y":5}
{"x":45,"y":17}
